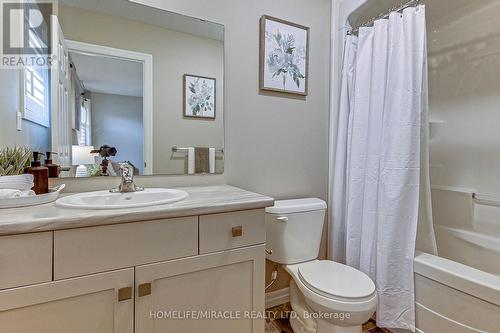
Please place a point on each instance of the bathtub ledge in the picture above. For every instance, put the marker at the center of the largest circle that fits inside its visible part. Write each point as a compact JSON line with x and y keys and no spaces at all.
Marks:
{"x":469,"y":280}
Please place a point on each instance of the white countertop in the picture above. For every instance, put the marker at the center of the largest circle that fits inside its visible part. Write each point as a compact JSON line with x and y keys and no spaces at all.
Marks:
{"x":201,"y":200}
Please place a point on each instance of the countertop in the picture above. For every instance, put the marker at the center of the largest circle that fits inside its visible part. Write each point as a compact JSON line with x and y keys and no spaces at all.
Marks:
{"x":201,"y":200}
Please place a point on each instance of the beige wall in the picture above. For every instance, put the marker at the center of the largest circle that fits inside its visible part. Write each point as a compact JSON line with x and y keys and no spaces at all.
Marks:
{"x":276,"y":146}
{"x":174,"y":54}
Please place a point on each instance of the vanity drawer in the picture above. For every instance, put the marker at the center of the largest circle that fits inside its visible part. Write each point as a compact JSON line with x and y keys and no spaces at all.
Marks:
{"x":25,"y":259}
{"x":97,"y":249}
{"x":225,"y":231}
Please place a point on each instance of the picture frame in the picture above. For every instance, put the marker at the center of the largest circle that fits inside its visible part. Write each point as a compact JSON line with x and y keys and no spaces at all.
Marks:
{"x":199,"y":97}
{"x":283,"y":56}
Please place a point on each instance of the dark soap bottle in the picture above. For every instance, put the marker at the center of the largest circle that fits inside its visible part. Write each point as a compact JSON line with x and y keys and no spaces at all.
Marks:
{"x":54,"y":169}
{"x":40,"y":174}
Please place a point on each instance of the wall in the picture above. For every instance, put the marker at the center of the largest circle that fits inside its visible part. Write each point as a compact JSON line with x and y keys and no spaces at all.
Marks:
{"x":275,"y":145}
{"x":464,"y":95}
{"x":174,"y":54}
{"x":114,"y":115}
{"x":32,"y":135}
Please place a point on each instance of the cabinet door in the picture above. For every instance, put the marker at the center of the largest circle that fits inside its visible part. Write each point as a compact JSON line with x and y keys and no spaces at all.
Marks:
{"x":228,"y":286}
{"x":88,"y":304}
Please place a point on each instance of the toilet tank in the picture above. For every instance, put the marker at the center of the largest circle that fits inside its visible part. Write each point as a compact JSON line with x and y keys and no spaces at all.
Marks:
{"x":294,"y":229}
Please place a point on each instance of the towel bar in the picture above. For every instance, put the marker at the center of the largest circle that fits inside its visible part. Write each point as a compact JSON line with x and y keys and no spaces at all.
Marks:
{"x":176,"y":149}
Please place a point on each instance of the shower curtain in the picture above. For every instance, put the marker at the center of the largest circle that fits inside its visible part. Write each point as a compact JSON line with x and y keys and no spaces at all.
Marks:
{"x":377,"y":173}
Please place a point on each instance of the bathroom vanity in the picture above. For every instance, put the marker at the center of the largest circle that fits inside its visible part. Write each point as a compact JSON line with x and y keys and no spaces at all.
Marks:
{"x":144,"y":270}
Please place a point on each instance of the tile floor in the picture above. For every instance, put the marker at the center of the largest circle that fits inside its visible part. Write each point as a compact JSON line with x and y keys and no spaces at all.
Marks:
{"x":280,"y":323}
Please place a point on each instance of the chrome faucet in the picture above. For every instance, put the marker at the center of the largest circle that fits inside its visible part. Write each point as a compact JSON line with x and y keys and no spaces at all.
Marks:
{"x":127,"y":180}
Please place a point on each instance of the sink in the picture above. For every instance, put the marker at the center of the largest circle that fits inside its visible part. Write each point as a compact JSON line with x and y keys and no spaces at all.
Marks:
{"x":108,"y":200}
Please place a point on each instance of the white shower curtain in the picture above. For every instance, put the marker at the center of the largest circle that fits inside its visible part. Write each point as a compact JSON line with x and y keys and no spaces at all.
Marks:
{"x":378,"y":159}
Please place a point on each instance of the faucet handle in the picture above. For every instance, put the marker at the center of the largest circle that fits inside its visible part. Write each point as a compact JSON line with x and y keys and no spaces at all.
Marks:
{"x":126,"y":170}
{"x":127,"y":180}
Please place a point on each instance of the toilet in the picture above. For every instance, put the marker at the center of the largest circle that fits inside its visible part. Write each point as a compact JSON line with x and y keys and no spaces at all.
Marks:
{"x":327,"y":297}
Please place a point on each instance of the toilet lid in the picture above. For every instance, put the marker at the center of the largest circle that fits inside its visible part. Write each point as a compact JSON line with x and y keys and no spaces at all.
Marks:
{"x":332,"y":279}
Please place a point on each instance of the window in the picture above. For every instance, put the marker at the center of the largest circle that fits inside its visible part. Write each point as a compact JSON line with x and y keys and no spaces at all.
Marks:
{"x":36,"y":88}
{"x":85,"y":121}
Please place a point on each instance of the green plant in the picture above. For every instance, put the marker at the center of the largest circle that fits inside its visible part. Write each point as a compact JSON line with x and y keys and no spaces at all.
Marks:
{"x":95,"y":171}
{"x":14,"y":160}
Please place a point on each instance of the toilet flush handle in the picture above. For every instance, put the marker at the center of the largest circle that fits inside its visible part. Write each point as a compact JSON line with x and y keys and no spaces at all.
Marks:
{"x":282,"y":218}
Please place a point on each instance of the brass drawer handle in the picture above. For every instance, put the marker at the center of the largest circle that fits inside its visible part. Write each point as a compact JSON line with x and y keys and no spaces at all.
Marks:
{"x":237,"y":231}
{"x":144,"y":289}
{"x":124,"y":294}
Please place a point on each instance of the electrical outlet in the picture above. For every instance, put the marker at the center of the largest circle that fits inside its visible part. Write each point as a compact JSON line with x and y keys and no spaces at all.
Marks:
{"x":19,"y":121}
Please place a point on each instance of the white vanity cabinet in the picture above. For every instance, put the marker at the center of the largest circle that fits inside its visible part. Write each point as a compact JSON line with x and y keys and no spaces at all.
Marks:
{"x":99,"y":303}
{"x":142,"y":277}
{"x":222,"y":290}
{"x":97,"y":249}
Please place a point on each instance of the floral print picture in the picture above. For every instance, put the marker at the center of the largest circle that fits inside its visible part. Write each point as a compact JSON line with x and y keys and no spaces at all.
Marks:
{"x":283,"y":56}
{"x":199,"y":96}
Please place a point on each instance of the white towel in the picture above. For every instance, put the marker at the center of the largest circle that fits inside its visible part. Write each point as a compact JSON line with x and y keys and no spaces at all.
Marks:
{"x":211,"y":160}
{"x":191,"y":164}
{"x":13,"y":193}
{"x":20,"y":182}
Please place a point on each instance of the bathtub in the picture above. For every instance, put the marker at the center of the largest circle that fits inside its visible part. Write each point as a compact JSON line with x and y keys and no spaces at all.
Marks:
{"x":467,"y":227}
{"x":452,"y":297}
{"x":475,"y":248}
{"x":459,"y":291}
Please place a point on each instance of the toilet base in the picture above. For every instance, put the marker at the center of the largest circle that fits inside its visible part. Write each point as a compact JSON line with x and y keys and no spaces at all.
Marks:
{"x":323,"y":327}
{"x":305,"y":324}
{"x":327,"y":327}
{"x":299,"y":327}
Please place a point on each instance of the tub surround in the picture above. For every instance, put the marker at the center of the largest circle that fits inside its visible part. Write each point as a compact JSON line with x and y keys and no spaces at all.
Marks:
{"x":201,"y":200}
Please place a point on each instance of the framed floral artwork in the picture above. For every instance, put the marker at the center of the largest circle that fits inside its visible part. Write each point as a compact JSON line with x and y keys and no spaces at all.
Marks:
{"x":284,"y":56}
{"x":199,"y":97}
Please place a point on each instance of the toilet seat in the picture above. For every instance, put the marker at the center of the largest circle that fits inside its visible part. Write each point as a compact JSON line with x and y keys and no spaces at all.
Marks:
{"x":336,"y":281}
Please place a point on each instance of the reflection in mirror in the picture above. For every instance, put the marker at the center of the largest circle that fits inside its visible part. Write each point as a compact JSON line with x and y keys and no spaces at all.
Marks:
{"x":109,"y":93}
{"x":132,"y":84}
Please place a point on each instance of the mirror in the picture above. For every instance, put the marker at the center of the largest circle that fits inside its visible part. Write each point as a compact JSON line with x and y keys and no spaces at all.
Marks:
{"x":129,"y":83}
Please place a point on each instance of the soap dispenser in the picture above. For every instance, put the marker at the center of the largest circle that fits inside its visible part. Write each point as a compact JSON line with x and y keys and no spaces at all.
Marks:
{"x":40,"y":174}
{"x":54,"y":169}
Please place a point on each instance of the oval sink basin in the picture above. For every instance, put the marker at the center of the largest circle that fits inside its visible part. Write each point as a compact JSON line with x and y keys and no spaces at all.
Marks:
{"x":108,"y":200}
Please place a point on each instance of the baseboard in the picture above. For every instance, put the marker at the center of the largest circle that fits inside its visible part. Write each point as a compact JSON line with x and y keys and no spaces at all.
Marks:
{"x":277,"y":297}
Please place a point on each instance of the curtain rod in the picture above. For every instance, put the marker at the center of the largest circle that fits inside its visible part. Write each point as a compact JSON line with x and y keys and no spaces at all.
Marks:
{"x":397,"y":8}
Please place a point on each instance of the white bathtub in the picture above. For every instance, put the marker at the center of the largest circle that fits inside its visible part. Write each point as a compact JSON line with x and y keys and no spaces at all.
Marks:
{"x":467,"y":228}
{"x":459,"y":291}
{"x":476,"y":248}
{"x":455,"y":298}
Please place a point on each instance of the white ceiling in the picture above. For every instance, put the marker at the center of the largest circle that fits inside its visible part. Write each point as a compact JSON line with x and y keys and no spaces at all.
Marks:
{"x":153,"y":16}
{"x":108,"y":75}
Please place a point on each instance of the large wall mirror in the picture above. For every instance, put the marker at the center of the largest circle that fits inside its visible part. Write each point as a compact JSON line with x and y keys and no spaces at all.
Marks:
{"x":131,"y":84}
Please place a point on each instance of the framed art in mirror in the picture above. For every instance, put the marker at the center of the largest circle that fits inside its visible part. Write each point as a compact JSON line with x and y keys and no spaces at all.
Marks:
{"x":199,"y":97}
